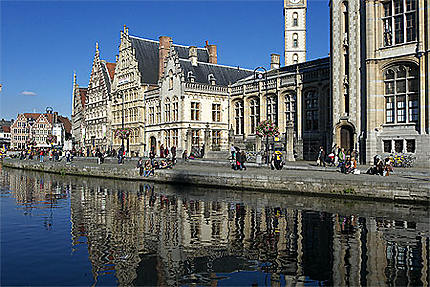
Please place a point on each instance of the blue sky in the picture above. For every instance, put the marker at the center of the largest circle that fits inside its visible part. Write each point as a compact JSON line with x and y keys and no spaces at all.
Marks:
{"x":42,"y":43}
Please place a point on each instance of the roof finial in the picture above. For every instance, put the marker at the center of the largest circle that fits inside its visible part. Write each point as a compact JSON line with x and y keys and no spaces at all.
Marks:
{"x":97,"y":46}
{"x":74,"y":78}
{"x":124,"y":27}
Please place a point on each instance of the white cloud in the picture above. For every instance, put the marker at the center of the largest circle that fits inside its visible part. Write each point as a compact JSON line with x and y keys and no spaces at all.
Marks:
{"x":28,"y":93}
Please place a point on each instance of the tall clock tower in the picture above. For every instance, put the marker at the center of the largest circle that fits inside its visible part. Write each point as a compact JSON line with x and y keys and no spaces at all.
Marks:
{"x":295,"y":31}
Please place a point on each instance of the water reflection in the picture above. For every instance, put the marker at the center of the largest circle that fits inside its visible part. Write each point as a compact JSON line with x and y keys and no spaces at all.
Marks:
{"x":147,"y":234}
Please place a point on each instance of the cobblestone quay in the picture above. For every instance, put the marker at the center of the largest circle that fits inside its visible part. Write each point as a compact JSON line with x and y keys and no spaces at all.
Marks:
{"x":404,"y":186}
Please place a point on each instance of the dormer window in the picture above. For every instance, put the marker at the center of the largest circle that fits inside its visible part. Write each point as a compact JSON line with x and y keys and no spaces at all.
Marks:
{"x":191,"y":77}
{"x":211,"y":79}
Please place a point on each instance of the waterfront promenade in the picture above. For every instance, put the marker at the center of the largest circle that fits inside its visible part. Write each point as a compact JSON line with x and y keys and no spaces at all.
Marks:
{"x":405,"y":184}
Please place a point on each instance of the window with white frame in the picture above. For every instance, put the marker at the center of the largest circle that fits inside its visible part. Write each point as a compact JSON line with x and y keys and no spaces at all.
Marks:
{"x":401,"y":94}
{"x":254,"y":114}
{"x":216,"y":140}
{"x":195,"y":135}
{"x":175,"y":110}
{"x":238,"y":118}
{"x":272,"y":109}
{"x":216,"y":112}
{"x":175,"y":137}
{"x":195,"y":111}
{"x":295,"y":40}
{"x":290,"y":107}
{"x":167,"y":110}
{"x":399,"y":20}
{"x":311,"y":110}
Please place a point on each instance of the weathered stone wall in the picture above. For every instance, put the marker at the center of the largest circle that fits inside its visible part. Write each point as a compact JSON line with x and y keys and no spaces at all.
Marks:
{"x":356,"y":188}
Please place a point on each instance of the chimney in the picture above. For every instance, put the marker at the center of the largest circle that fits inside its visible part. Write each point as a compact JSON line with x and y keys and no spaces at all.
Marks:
{"x":163,"y":51}
{"x":193,"y":55}
{"x":213,"y":59}
{"x":55,"y":117}
{"x":275,"y":61}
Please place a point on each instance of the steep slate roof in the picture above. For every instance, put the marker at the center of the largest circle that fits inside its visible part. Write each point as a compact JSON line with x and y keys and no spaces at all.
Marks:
{"x":33,"y":116}
{"x":107,"y":73}
{"x":147,"y":57}
{"x":111,"y":70}
{"x":83,"y":95}
{"x":66,"y":123}
{"x":224,"y":75}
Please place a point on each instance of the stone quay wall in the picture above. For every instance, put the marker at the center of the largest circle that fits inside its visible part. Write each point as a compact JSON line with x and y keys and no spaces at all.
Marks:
{"x":312,"y":183}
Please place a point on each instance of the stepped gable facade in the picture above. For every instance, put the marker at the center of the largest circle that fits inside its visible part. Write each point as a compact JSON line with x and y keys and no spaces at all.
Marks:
{"x":78,"y":114}
{"x":166,"y":94}
{"x":97,"y":111}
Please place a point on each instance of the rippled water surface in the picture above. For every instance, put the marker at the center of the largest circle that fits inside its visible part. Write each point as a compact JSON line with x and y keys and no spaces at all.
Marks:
{"x":78,"y":231}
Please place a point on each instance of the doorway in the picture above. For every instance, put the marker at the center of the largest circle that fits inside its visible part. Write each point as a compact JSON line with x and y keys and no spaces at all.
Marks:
{"x":153,"y":144}
{"x":346,"y":138}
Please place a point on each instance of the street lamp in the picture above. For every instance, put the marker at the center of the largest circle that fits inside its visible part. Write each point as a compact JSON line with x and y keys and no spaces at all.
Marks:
{"x":259,"y":75}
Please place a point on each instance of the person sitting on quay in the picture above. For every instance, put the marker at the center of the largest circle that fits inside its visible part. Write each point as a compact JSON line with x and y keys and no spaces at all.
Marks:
{"x":139,"y":166}
{"x":243,"y":159}
{"x":148,"y":169}
{"x":277,"y":162}
{"x":378,"y":166}
{"x":321,"y":157}
{"x":388,"y":167}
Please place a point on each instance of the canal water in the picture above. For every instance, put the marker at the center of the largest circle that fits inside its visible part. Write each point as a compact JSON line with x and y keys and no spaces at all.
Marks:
{"x":60,"y":230}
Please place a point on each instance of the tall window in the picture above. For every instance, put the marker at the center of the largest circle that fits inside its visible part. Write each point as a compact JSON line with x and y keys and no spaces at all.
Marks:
{"x":295,"y":19}
{"x":175,"y":137}
{"x":167,"y":110}
{"x":311,"y":111}
{"x":272,"y":109}
{"x":399,"y":20}
{"x":216,"y":112}
{"x":216,"y":140}
{"x":238,"y":117}
{"x":167,"y":138}
{"x":401,"y":94}
{"x":295,"y":58}
{"x":170,"y":79}
{"x":295,"y":40}
{"x":151,"y":115}
{"x":290,"y":108}
{"x":195,"y":134}
{"x":254,"y":114}
{"x":195,"y":111}
{"x":175,"y":109}
{"x":158,"y":114}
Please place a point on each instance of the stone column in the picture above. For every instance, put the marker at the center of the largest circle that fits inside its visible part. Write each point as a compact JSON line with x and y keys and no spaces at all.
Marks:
{"x":289,"y":139}
{"x":207,"y":141}
{"x":188,"y":140}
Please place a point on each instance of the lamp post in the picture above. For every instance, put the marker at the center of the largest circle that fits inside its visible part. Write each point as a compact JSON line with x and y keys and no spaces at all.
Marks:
{"x":259,"y":76}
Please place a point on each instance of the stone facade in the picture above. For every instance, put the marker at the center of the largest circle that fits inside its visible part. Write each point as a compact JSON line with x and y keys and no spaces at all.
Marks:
{"x":295,"y":31}
{"x":398,"y":78}
{"x":97,"y":112}
{"x":78,"y":114}
{"x":346,"y":73}
{"x":297,"y":96}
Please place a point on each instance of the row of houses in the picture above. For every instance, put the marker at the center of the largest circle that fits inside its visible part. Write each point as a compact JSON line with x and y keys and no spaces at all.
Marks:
{"x":370,"y":95}
{"x":40,"y":130}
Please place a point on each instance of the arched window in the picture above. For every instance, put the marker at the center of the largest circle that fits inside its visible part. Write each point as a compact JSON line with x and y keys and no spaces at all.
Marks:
{"x":175,"y":109}
{"x":311,"y":110}
{"x":345,"y":17}
{"x":290,"y":108}
{"x":191,"y":77}
{"x":272,"y":109}
{"x":295,"y":40}
{"x":170,"y":79}
{"x":238,"y":117}
{"x":254,"y":114}
{"x":295,"y":19}
{"x":167,"y":110}
{"x":401,"y":94}
{"x":295,"y":58}
{"x":399,"y":20}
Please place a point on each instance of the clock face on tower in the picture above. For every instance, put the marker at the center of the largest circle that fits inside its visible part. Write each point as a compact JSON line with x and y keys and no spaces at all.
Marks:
{"x":294,"y":1}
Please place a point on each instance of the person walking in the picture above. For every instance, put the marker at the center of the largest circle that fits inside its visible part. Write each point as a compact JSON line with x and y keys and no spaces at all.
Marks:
{"x":243,"y":160}
{"x":41,"y":155}
{"x":233,"y":152}
{"x":162,"y":151}
{"x":321,"y":156}
{"x":173,"y":152}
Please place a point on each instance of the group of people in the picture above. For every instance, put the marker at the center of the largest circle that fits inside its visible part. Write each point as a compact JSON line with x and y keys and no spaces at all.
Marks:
{"x":147,"y":168}
{"x":238,"y":158}
{"x":346,"y":161}
{"x":380,"y":166}
{"x":41,"y":154}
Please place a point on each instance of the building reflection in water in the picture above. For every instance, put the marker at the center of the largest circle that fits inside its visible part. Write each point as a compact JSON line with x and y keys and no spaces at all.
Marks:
{"x":160,"y":235}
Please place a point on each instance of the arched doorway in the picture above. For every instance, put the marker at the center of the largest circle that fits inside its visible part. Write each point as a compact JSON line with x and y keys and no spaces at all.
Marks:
{"x":153,"y":143}
{"x":346,"y":138}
